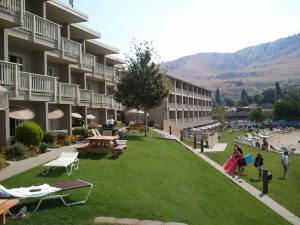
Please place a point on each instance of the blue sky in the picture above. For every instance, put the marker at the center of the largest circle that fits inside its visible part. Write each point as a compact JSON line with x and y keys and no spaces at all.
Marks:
{"x":184,"y":27}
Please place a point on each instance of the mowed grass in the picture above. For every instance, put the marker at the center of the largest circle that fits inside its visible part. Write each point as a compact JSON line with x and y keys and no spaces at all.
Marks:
{"x":285,"y":192}
{"x":154,"y":179}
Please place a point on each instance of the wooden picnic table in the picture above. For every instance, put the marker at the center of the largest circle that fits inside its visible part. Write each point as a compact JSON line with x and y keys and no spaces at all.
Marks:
{"x":5,"y":205}
{"x":103,"y":144}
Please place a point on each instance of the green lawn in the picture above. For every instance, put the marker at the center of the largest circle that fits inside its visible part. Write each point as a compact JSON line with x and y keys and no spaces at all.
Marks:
{"x":154,"y":179}
{"x":285,"y":192}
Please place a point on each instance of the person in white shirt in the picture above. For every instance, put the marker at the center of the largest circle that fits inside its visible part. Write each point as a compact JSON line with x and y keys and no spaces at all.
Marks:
{"x":285,"y":163}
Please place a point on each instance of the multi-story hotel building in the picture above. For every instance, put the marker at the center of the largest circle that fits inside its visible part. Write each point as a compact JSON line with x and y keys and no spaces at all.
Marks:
{"x":187,"y":106}
{"x":50,"y":62}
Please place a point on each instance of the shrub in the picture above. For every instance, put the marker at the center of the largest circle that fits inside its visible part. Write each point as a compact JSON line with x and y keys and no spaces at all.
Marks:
{"x":80,"y":131}
{"x":15,"y":152}
{"x":32,"y":150}
{"x":151,"y":123}
{"x":93,"y":125}
{"x":61,"y":135}
{"x":49,"y":137}
{"x":70,"y":139}
{"x":43,"y":147}
{"x":3,"y":162}
{"x":29,"y":133}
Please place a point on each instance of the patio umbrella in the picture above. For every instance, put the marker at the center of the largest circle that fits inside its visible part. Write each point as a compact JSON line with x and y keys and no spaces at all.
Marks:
{"x":135,"y":113}
{"x":3,"y":98}
{"x":20,"y":113}
{"x":76,"y":115}
{"x":54,"y":113}
{"x":91,"y":117}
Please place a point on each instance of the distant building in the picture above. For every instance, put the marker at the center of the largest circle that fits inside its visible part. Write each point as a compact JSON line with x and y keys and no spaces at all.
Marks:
{"x":187,"y":106}
{"x":52,"y":67}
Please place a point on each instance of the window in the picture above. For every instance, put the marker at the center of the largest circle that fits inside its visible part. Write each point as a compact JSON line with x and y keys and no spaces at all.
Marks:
{"x":16,"y":59}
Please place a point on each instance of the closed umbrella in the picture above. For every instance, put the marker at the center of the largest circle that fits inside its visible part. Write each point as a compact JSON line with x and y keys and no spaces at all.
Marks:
{"x":3,"y":98}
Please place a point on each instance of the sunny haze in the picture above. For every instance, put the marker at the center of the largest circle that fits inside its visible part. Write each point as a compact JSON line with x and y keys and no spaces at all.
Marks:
{"x":180,"y":28}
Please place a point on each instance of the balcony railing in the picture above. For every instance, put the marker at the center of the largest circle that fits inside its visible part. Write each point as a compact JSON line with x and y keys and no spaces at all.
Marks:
{"x":99,"y":68}
{"x":8,"y":73}
{"x":171,"y":105}
{"x":29,"y":84}
{"x":88,"y":60}
{"x":12,"y":6}
{"x":71,"y":48}
{"x":110,"y":72}
{"x":36,"y":83}
{"x":86,"y":95}
{"x":67,"y":90}
{"x":40,"y":27}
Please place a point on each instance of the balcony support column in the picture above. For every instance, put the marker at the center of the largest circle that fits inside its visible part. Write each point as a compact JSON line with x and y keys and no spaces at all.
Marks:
{"x":3,"y":45}
{"x":5,"y":128}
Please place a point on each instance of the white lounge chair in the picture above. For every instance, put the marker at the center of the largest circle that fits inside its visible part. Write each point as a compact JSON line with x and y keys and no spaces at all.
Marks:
{"x":45,"y":191}
{"x":66,"y":159}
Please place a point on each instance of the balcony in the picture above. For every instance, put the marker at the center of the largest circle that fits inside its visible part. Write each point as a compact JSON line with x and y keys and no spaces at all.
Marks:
{"x":27,"y":86}
{"x":71,"y":48}
{"x":11,"y":13}
{"x":88,"y":60}
{"x":42,"y":31}
{"x":171,"y":105}
{"x":36,"y":87}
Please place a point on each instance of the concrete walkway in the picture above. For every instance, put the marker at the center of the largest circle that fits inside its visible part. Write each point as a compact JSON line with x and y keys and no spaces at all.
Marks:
{"x":279,"y":209}
{"x":17,"y":167}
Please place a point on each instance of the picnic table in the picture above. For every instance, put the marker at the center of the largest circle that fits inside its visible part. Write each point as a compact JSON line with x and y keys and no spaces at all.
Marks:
{"x":136,"y":126}
{"x":103,"y":144}
{"x":5,"y":205}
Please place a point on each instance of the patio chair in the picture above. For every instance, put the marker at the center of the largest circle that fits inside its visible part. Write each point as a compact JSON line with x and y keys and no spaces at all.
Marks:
{"x":45,"y":191}
{"x":66,"y":159}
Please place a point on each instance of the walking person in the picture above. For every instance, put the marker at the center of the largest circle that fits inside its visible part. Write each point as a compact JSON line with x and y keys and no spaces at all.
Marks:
{"x":259,"y":163}
{"x":285,"y":163}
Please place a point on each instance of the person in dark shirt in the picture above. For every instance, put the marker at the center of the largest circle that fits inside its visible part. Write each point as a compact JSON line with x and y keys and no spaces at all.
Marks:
{"x":259,"y":163}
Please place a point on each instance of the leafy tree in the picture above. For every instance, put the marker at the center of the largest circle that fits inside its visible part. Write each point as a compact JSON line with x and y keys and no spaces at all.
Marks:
{"x":218,"y":97}
{"x":228,"y":102}
{"x":221,"y":115}
{"x":142,"y":83}
{"x":257,"y":115}
{"x":287,"y":109}
{"x":278,"y":92}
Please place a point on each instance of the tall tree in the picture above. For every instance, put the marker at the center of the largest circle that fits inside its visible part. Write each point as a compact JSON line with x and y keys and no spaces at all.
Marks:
{"x":244,"y":98}
{"x":218,"y":97}
{"x":142,"y":84}
{"x":278,"y":92}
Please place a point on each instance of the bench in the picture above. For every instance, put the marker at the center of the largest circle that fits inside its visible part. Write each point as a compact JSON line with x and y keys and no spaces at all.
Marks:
{"x":82,"y":146}
{"x":5,"y":205}
{"x":120,"y":148}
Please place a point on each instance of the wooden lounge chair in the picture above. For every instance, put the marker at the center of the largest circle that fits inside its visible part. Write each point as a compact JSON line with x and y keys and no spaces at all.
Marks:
{"x":45,"y":192}
{"x":66,"y":159}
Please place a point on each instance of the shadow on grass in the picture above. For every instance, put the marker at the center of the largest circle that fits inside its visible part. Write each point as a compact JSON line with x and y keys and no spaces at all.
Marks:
{"x":254,"y":180}
{"x":53,"y":172}
{"x":97,"y":156}
{"x":45,"y":205}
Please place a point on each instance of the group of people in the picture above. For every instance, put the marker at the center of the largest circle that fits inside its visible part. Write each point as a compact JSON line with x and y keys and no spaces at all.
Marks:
{"x":236,"y":162}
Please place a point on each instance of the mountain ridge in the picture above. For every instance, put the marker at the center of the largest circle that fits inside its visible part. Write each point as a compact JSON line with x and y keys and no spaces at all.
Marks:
{"x":254,"y":66}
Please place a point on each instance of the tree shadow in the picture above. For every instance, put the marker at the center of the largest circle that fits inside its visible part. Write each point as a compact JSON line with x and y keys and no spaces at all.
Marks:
{"x":92,"y":155}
